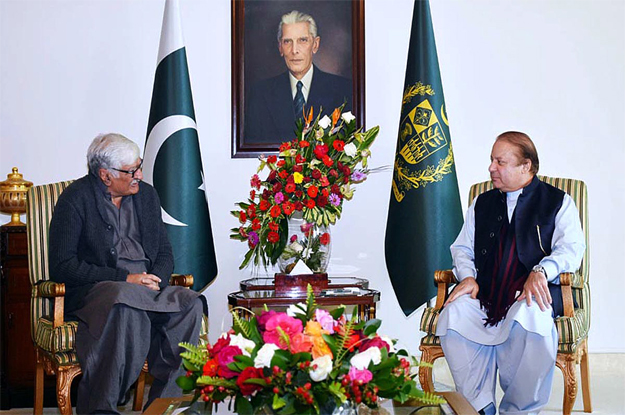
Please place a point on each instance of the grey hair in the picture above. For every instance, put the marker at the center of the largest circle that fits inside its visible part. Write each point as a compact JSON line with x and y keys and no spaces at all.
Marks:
{"x":297,"y":17}
{"x":108,"y":151}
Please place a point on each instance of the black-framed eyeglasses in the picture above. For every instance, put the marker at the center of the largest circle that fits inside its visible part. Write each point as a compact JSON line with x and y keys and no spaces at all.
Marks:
{"x":130,"y":172}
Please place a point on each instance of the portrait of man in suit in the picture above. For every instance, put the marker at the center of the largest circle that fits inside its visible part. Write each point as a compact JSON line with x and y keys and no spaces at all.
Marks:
{"x":274,"y":104}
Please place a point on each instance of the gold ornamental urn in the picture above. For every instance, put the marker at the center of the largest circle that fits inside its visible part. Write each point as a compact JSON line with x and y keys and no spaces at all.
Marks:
{"x":13,"y":197}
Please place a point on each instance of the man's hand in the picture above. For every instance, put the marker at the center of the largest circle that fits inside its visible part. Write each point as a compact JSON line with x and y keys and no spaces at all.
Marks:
{"x":536,"y":285}
{"x":466,"y":286}
{"x":147,"y":280}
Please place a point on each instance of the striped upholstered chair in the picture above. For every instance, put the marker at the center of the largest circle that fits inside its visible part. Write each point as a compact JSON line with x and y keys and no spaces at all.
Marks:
{"x":572,"y":327}
{"x":55,"y":338}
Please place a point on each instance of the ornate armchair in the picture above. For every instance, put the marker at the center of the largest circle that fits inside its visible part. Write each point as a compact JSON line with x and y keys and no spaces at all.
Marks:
{"x":572,"y":327}
{"x":55,"y":338}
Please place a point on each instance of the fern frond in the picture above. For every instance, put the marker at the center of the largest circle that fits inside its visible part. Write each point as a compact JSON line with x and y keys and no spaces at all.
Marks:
{"x":341,"y":351}
{"x":216,"y":381}
{"x":238,"y":323}
{"x":196,"y":355}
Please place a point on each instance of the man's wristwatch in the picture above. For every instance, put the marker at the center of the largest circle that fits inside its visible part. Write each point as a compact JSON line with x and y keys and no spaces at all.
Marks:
{"x":539,"y":268}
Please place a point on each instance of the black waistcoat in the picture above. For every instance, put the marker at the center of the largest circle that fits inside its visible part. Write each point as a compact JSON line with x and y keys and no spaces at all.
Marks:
{"x":534,"y":224}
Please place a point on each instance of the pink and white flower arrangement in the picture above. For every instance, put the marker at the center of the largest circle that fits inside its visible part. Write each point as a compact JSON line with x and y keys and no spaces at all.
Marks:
{"x":306,"y":361}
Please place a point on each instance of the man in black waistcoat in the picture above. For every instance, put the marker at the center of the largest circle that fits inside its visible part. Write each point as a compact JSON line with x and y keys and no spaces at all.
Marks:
{"x":109,"y":246}
{"x":516,"y":240}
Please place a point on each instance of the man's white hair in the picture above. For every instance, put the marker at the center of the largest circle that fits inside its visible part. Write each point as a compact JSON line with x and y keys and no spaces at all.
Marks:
{"x":297,"y":17}
{"x":109,"y":151}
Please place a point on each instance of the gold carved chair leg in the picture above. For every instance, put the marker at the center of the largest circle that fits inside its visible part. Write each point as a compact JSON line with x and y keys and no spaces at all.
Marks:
{"x":585,"y":375}
{"x":64,"y":378}
{"x":566,"y":363}
{"x":38,"y":407}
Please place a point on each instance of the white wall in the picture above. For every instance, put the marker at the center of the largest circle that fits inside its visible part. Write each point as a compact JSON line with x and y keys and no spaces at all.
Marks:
{"x":554,"y":69}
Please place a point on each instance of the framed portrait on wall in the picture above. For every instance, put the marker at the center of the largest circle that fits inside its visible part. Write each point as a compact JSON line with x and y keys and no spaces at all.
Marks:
{"x":288,"y":55}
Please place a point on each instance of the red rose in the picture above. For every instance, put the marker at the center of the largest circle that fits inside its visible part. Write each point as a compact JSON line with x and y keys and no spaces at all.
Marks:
{"x":249,"y":372}
{"x":264,"y":205}
{"x":322,"y":201}
{"x":299,"y":159}
{"x":219,"y":344}
{"x":285,"y":146}
{"x":272,"y":159}
{"x":320,"y":150}
{"x":255,"y":224}
{"x":316,"y":174}
{"x":273,"y":237}
{"x":324,"y":239}
{"x":338,"y":145}
{"x":312,"y":191}
{"x":275,"y":211}
{"x":328,"y":161}
{"x":287,"y":207}
{"x":290,"y":187}
{"x":283,"y":174}
{"x":310,"y":203}
{"x":297,"y":168}
{"x":273,"y":226}
{"x":242,"y":217}
{"x":281,"y":163}
{"x":304,"y":144}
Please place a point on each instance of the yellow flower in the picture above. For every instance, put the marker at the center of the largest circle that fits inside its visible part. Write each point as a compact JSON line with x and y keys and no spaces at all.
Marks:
{"x":298,"y":177}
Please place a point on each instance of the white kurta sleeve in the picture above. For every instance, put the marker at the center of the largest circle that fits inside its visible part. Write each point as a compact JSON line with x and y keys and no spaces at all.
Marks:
{"x":567,"y":243}
{"x":462,"y":249}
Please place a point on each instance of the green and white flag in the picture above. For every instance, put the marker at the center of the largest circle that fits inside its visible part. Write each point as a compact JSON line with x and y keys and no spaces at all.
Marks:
{"x":172,"y":161}
{"x":425,"y":214}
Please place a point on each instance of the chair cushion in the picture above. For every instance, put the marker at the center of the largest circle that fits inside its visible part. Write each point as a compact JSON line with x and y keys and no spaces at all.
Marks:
{"x":56,"y":340}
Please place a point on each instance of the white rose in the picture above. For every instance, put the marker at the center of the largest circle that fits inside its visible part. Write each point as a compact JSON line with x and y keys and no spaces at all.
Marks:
{"x":295,"y":309}
{"x":264,"y":355}
{"x":350,"y":149}
{"x":244,"y":344}
{"x":361,"y":360}
{"x":325,"y":122}
{"x":348,"y":116}
{"x":323,"y":366}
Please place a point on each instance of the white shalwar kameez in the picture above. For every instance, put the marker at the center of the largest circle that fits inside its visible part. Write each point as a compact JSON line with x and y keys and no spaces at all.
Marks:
{"x":523,"y":345}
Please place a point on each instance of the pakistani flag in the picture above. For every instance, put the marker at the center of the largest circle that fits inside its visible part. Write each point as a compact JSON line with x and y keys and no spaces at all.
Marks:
{"x":172,"y":161}
{"x":425,"y":214}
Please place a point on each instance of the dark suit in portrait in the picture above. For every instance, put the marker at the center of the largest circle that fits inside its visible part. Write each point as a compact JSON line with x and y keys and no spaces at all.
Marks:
{"x":270,"y":114}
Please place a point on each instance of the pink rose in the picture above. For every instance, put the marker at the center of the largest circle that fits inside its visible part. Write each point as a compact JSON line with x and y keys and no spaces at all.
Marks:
{"x":289,"y":325}
{"x":324,"y":318}
{"x":355,"y":375}
{"x":224,"y":358}
{"x":264,"y":318}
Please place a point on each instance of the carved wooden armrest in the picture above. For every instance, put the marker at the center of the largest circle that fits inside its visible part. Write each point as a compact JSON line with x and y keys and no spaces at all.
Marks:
{"x":443,"y":279}
{"x":182,"y":280}
{"x":566,"y":279}
{"x":56,"y":290}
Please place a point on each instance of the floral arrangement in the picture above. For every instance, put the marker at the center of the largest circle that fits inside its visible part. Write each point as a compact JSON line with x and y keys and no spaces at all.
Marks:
{"x":310,"y":178}
{"x":303,"y":361}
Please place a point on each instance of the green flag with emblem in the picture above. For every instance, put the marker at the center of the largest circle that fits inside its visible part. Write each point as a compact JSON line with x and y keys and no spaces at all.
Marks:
{"x":172,"y":161}
{"x":425,"y":213}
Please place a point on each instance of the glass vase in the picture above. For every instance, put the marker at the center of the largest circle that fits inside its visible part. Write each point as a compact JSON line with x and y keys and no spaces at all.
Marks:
{"x":307,"y":242}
